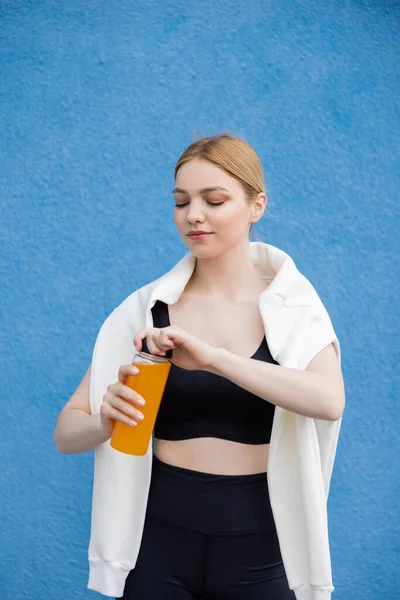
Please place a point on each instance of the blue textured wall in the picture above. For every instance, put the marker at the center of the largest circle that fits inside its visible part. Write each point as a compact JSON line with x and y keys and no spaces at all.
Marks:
{"x":98,"y":101}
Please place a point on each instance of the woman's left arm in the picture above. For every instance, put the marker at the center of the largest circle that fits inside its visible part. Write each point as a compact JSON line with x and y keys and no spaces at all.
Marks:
{"x":317,"y":392}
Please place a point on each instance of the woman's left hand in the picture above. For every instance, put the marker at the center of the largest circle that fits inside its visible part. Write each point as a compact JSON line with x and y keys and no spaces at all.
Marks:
{"x":188,"y":351}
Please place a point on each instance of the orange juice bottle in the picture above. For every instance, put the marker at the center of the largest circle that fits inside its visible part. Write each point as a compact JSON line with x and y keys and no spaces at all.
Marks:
{"x":149,"y":383}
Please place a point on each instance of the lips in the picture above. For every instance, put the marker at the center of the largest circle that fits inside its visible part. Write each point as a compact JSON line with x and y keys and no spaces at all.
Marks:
{"x":198,"y":234}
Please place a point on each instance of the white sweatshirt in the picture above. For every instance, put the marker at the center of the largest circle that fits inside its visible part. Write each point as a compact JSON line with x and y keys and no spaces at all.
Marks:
{"x":302,"y":449}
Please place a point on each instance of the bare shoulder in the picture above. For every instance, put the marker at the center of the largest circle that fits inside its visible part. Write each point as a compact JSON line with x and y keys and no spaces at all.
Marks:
{"x":326,"y":363}
{"x":80,"y":398}
{"x":325,"y":360}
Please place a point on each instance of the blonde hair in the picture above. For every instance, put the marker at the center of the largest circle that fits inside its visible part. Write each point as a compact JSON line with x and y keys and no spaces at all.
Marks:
{"x":233,"y":155}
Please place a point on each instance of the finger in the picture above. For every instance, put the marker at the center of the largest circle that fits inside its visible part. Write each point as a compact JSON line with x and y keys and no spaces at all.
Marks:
{"x":116,"y":415}
{"x":126,"y":408}
{"x":126,"y":393}
{"x":153,"y":344}
{"x":165,"y":341}
{"x":138,"y":339}
{"x":112,"y":403}
{"x":126,"y":370}
{"x":177,"y":336}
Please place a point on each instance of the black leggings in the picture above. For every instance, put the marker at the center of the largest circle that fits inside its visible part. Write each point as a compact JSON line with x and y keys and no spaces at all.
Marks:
{"x":208,"y":537}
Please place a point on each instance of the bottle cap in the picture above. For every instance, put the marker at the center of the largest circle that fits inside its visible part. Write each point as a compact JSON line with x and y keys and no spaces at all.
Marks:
{"x":168,"y":354}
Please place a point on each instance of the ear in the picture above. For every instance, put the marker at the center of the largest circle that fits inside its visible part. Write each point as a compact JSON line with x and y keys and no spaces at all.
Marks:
{"x":258,"y":207}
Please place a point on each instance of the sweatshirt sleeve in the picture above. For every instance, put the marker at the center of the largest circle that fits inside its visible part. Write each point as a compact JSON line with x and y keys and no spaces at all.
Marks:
{"x":113,"y":347}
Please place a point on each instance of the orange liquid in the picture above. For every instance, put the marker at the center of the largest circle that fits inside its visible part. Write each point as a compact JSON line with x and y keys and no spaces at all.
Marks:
{"x":150,"y":384}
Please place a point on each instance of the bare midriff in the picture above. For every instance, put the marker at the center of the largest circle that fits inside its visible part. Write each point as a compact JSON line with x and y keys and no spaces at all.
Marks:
{"x":213,"y":455}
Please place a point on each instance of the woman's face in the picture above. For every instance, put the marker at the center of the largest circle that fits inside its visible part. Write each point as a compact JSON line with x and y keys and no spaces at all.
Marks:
{"x":211,"y":201}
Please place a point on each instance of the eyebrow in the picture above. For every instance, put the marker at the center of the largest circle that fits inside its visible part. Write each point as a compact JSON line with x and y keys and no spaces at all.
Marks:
{"x":203,"y":191}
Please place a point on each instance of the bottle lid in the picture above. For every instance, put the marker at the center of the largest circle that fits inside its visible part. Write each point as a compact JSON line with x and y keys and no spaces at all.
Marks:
{"x":145,"y":349}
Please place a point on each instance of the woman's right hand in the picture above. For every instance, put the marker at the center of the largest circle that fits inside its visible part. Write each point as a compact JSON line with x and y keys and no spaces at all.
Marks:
{"x":120,"y":402}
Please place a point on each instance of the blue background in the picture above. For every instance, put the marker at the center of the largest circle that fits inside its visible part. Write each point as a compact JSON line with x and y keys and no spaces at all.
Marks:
{"x":98,"y":102}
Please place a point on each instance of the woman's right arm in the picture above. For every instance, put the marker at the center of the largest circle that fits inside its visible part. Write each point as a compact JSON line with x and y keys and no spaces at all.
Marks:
{"x":78,"y":431}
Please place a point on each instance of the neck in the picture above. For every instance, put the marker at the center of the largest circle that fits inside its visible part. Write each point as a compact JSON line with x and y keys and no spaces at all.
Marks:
{"x":230,"y":275}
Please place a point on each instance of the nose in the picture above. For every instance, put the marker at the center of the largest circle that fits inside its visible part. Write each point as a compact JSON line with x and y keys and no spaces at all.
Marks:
{"x":195,"y":213}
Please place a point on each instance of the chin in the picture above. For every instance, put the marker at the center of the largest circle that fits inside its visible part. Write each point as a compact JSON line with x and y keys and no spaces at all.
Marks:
{"x":205,"y":253}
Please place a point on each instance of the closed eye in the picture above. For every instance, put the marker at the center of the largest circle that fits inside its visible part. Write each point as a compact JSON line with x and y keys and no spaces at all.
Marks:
{"x":210,"y":203}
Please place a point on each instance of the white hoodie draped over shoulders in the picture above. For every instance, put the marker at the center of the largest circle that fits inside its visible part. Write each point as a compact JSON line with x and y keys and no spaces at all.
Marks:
{"x":302,"y":449}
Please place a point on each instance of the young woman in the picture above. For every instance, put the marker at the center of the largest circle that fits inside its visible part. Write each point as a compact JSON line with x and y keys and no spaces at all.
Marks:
{"x":209,"y":530}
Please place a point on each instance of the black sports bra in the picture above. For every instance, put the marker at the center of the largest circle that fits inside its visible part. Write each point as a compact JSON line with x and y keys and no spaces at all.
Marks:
{"x":200,"y":404}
